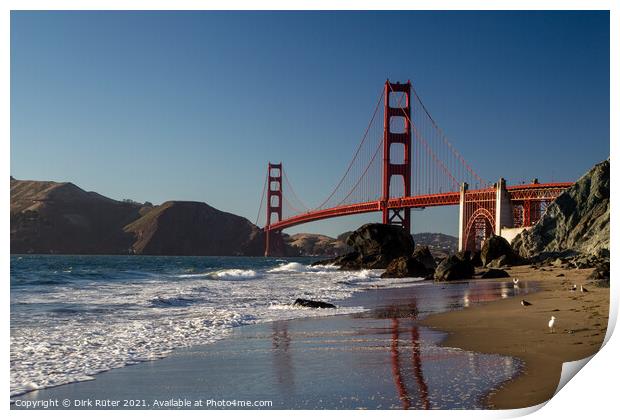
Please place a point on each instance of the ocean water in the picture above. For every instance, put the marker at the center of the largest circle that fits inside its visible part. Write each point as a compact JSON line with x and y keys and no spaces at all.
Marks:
{"x":75,"y":316}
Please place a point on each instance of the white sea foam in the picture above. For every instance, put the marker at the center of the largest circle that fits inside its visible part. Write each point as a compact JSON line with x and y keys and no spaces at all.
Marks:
{"x":191,"y":276}
{"x":115,"y":324}
{"x":295,"y":267}
{"x":235,"y":274}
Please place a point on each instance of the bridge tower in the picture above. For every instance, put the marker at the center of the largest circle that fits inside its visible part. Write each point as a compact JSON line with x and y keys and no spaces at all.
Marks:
{"x":273,"y":239}
{"x":393,"y":111}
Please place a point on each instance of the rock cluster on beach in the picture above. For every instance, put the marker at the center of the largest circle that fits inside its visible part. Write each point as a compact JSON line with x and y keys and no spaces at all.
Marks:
{"x":497,"y":252}
{"x":455,"y":267}
{"x":389,"y":247}
{"x":374,"y":246}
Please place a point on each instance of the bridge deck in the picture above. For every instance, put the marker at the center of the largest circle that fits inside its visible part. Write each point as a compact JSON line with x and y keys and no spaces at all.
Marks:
{"x":517,"y":192}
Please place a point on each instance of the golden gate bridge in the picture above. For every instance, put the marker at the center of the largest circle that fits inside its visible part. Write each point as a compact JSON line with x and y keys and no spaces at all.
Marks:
{"x":402,"y":163}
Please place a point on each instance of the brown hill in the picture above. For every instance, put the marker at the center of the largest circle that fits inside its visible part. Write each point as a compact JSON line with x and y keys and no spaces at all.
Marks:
{"x":193,"y":228}
{"x":59,"y":217}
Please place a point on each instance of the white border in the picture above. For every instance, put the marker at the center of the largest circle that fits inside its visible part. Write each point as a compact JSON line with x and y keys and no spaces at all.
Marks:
{"x":591,"y":395}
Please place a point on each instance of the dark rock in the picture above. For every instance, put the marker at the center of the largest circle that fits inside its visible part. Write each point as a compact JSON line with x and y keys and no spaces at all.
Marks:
{"x":589,"y":261}
{"x":495,"y":247}
{"x":494,"y":274}
{"x":378,"y":239}
{"x":423,"y":255}
{"x":406,"y":267}
{"x":340,"y":260}
{"x":601,"y":274}
{"x":375,"y":246}
{"x":499,"y":262}
{"x":476,"y":260}
{"x":454,"y":268}
{"x":313,"y":304}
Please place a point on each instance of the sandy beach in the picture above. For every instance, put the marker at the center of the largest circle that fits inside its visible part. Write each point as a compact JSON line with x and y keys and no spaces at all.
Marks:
{"x":505,"y":327}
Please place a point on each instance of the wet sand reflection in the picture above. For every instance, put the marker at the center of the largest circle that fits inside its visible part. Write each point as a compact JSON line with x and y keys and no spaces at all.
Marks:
{"x":416,"y":359}
{"x":282,"y":358}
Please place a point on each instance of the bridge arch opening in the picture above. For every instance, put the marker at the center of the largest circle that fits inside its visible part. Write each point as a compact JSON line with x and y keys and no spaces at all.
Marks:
{"x":479,"y":228}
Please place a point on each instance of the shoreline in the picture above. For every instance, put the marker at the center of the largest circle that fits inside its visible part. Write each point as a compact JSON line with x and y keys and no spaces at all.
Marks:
{"x":522,"y":332}
{"x":377,"y":347}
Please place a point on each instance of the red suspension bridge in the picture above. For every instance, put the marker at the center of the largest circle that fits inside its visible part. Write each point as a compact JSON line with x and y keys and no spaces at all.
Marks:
{"x":407,"y":162}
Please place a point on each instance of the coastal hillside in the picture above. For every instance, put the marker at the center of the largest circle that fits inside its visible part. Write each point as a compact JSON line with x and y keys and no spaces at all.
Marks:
{"x":439,"y":244}
{"x":312,"y":244}
{"x":577,"y":221}
{"x":318,"y":245}
{"x":59,"y":217}
{"x":193,"y":228}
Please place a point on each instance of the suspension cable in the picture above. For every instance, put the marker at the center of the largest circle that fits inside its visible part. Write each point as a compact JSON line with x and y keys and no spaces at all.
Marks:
{"x":374,"y":114}
{"x":445,"y":139}
{"x":428,"y":148}
{"x":293,"y":191}
{"x":262,"y":199}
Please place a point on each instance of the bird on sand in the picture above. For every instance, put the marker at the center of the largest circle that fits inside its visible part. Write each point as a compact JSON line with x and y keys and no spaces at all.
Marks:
{"x":515,"y":283}
{"x":572,"y":289}
{"x":525,"y":303}
{"x":552,"y":324}
{"x":583,"y":289}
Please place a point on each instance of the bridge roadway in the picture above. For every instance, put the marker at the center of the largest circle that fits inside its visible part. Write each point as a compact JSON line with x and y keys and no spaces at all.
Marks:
{"x":531,"y":192}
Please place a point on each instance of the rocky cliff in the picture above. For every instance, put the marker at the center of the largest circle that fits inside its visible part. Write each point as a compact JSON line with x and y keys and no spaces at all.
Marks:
{"x":53,"y":217}
{"x":577,"y":221}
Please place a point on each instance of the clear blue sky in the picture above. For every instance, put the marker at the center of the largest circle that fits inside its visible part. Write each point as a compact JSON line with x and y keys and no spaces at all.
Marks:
{"x":192,"y":105}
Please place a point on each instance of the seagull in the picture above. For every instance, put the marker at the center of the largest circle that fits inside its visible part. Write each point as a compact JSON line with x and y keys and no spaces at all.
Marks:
{"x":525,"y":303}
{"x":572,"y":289}
{"x":515,"y":283}
{"x":552,"y":323}
{"x":583,"y":289}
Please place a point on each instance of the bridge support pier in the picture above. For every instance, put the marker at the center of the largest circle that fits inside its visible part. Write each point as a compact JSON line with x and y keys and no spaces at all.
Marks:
{"x":462,"y":220}
{"x":396,"y":216}
{"x":274,"y":206}
{"x":274,"y":243}
{"x":503,"y":207}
